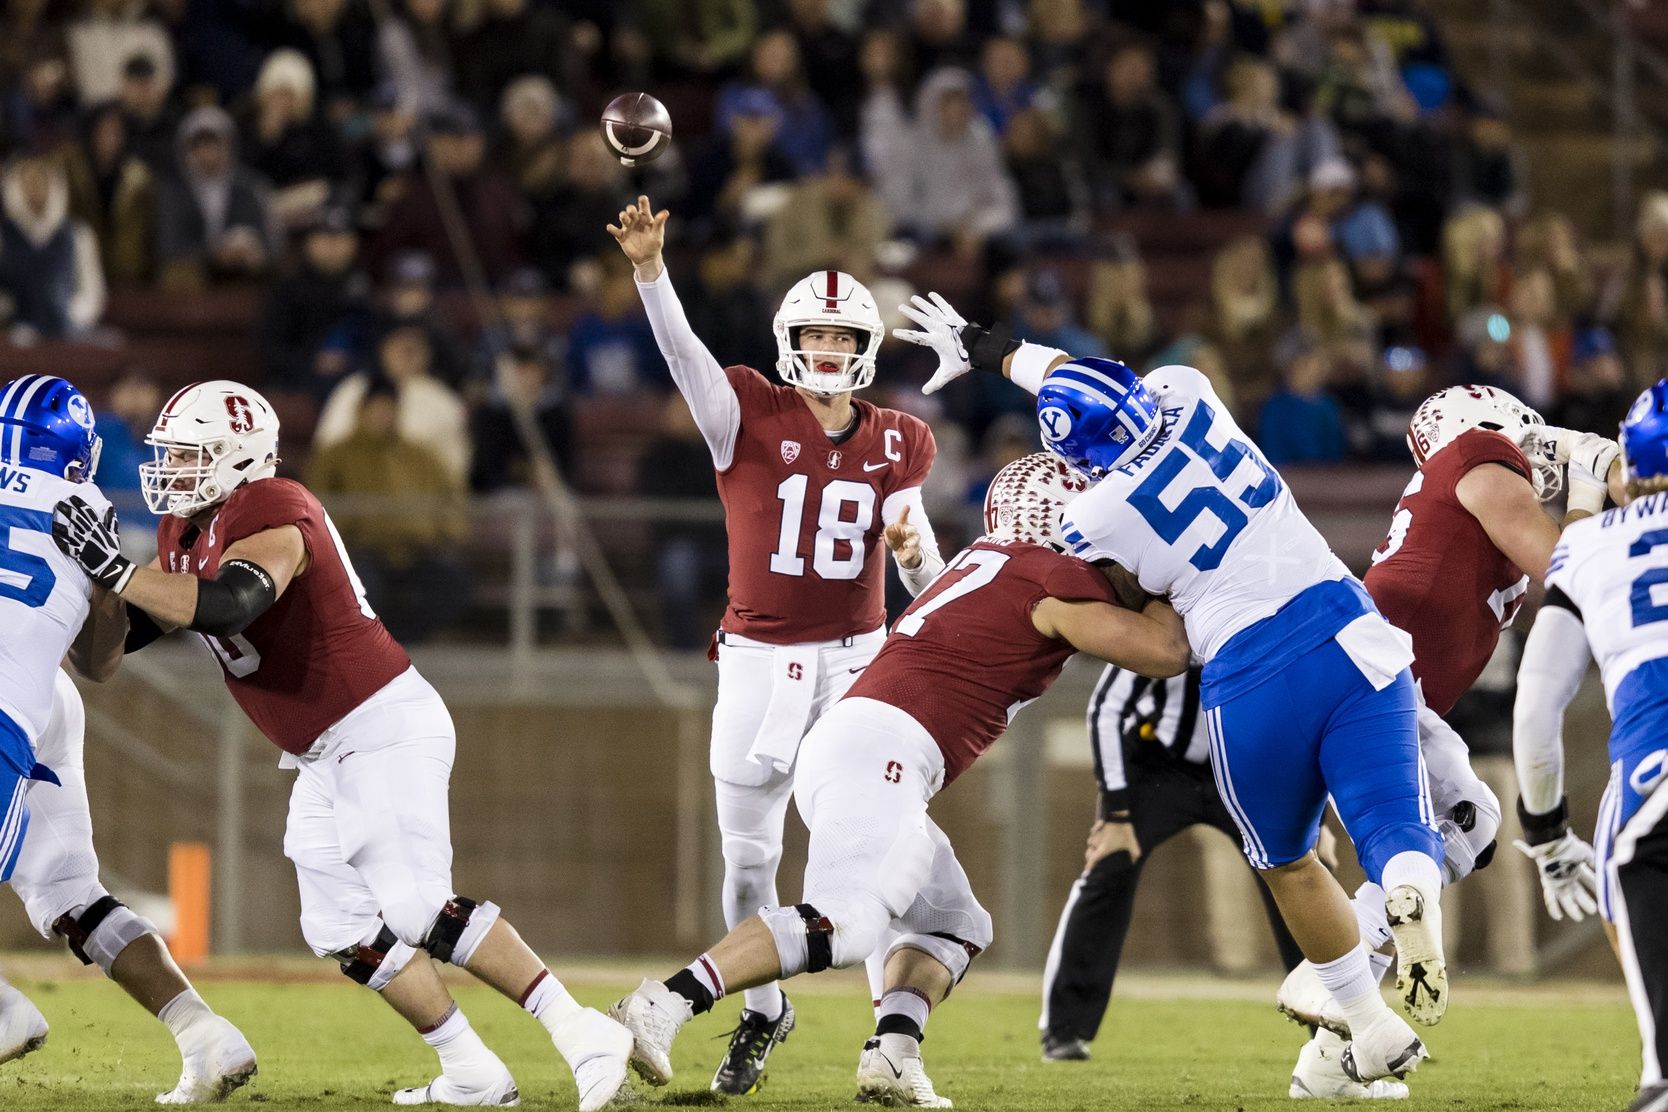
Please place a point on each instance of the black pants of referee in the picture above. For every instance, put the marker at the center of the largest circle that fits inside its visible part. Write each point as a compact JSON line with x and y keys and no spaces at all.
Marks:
{"x":1166,"y":799}
{"x":1642,"y":877}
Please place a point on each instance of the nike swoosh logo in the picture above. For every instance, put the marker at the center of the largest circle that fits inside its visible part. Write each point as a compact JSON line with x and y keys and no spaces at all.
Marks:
{"x":873,"y":466}
{"x":857,"y":669}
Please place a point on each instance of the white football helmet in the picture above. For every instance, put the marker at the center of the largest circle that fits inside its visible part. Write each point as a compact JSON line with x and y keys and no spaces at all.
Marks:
{"x":830,"y":297}
{"x":1443,"y":416}
{"x":1026,"y":498}
{"x":210,"y":439}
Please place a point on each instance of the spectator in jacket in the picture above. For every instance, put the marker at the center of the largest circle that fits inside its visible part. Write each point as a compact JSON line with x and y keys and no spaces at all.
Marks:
{"x":49,"y":266}
{"x":113,"y":192}
{"x":317,"y":315}
{"x":213,"y":224}
{"x":430,"y":412}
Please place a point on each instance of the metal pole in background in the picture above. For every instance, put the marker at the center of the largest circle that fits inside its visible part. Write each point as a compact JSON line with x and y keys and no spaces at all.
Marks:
{"x":1018,"y":803}
{"x":227,"y":897}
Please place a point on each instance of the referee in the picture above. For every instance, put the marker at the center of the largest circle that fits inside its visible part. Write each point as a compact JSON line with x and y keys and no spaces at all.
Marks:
{"x":1152,"y":758}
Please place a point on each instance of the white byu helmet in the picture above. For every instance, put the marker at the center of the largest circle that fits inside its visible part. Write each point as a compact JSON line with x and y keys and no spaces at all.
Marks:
{"x":221,"y":434}
{"x":1443,"y":416}
{"x":1026,"y":498}
{"x":830,"y":297}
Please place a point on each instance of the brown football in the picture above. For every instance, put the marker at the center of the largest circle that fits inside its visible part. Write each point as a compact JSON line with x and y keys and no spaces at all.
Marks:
{"x":636,"y":127}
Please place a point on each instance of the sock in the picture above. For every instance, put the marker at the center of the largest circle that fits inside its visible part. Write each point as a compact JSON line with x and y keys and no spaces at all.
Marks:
{"x":180,"y":1013}
{"x":1369,"y":912}
{"x":1350,"y":981}
{"x":768,"y":1001}
{"x":699,"y":983}
{"x":1380,"y":964}
{"x":549,"y":1001}
{"x":1417,"y":869}
{"x":903,"y":1011}
{"x":460,"y":1049}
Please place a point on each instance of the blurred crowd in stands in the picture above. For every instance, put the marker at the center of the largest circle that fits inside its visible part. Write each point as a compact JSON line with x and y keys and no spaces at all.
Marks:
{"x":1302,"y":198}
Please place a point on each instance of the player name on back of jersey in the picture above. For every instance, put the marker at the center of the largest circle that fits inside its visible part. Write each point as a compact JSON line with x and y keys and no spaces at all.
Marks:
{"x":806,"y":515}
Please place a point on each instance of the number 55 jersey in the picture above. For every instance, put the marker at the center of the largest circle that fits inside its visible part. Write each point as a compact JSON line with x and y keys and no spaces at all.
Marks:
{"x":320,"y":650}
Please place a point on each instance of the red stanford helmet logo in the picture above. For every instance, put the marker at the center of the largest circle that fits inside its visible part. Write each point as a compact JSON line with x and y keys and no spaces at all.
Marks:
{"x":242,"y":414}
{"x":790,"y":451}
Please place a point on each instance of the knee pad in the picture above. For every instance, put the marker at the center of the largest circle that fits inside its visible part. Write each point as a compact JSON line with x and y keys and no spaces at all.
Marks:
{"x":1468,"y":831}
{"x":753,"y":850}
{"x":808,"y":941}
{"x":954,"y":954}
{"x":458,"y":929}
{"x":906,"y":867}
{"x":101,"y":932}
{"x":375,"y":962}
{"x":46,"y":904}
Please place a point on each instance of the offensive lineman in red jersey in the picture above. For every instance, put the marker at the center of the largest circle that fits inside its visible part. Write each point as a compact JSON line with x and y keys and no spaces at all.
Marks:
{"x":1467,"y":535}
{"x":253,"y":564}
{"x":986,"y":638}
{"x":813,"y":481}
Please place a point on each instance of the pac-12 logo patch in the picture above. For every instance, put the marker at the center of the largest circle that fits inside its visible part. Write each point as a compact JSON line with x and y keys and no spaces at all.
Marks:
{"x":1055,"y":422}
{"x":242,"y":414}
{"x":790,"y":451}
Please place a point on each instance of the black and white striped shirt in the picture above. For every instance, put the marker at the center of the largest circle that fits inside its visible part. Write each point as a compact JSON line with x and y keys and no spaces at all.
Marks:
{"x":1133,"y":718}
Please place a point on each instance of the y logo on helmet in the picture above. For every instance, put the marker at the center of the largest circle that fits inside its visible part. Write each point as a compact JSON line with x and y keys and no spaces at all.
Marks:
{"x":241,"y":413}
{"x":1055,"y":422}
{"x":790,"y":451}
{"x":80,"y":412}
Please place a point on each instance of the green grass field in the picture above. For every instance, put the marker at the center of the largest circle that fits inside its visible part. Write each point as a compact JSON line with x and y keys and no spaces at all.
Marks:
{"x":1170,"y":1043}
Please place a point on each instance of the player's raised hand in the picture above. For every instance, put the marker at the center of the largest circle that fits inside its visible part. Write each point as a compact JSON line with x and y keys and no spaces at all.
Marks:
{"x":905,"y":541}
{"x":940,"y":330}
{"x":91,"y":541}
{"x":1568,"y":883}
{"x":641,"y":233}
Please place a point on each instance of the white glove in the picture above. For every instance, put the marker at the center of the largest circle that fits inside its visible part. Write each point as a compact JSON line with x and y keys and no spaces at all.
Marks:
{"x":1568,"y":883}
{"x":941,"y":331}
{"x":1590,"y":456}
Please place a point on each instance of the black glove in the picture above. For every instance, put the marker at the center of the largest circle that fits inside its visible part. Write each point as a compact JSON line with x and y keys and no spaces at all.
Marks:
{"x":91,"y":541}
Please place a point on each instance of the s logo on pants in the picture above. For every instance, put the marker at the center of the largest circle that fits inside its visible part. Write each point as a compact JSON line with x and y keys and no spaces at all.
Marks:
{"x":894,"y":772}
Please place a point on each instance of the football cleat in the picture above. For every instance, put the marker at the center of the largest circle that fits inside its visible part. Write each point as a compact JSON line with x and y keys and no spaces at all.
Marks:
{"x":1652,"y":1098}
{"x":742,"y":1070}
{"x":597,"y":1049}
{"x":1319,"y":1073}
{"x":653,"y":1014}
{"x":1063,"y":1048}
{"x":499,"y":1092}
{"x":1385,"y":1048}
{"x":22,"y":1027}
{"x":219,"y":1061}
{"x":1421,"y":969}
{"x":1303,"y":999}
{"x":890,"y":1074}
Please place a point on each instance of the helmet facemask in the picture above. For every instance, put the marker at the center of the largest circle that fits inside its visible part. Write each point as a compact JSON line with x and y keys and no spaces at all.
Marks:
{"x":799,"y":365}
{"x":1444,"y":416}
{"x":210,"y":439}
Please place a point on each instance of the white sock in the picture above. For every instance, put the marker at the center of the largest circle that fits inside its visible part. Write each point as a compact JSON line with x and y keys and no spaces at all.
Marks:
{"x":182,"y":1012}
{"x":1418,"y":869}
{"x":907,"y":1003}
{"x":461,"y":1051}
{"x":1380,"y":964}
{"x":1369,"y":912}
{"x":767,"y":1001}
{"x":1350,"y":981}
{"x":549,"y":1001}
{"x":706,"y":972}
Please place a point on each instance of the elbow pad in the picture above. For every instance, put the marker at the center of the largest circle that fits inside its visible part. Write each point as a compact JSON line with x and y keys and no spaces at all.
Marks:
{"x":226,"y":604}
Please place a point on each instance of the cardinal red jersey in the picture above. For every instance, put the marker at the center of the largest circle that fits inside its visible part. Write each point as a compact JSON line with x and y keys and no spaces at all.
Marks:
{"x":965,"y":658}
{"x":319,"y":651}
{"x":805,"y":515}
{"x":1439,"y":577}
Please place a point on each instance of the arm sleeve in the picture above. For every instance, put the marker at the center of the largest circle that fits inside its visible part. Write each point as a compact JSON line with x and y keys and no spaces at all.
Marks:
{"x":699,"y":378}
{"x":1554,"y":662}
{"x":1106,"y":737}
{"x":932,"y":561}
{"x":1030,"y":365}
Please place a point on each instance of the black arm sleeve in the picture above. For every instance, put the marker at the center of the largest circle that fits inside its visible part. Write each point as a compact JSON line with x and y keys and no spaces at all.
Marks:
{"x":226,"y":604}
{"x":1555,"y":596}
{"x":141,"y":629}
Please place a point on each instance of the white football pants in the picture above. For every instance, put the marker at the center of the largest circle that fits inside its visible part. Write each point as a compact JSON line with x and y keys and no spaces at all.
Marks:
{"x":768,"y":697}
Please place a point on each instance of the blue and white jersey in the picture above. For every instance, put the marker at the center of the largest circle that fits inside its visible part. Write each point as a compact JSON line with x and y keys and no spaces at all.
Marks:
{"x":1202,"y":517}
{"x":44,"y":594}
{"x":1614,"y":568}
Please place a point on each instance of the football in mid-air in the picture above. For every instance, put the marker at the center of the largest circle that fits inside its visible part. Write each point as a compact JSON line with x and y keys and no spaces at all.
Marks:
{"x":637,"y":128}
